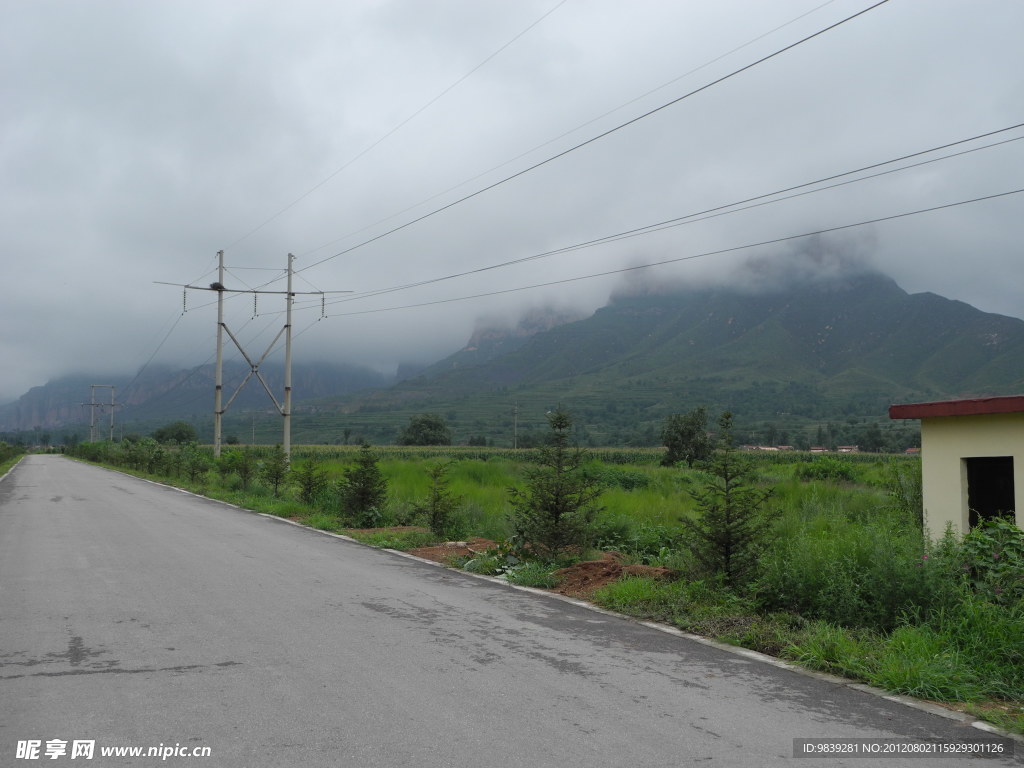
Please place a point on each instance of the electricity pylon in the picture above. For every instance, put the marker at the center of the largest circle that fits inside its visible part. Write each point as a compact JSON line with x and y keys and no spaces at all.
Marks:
{"x":285,"y":407}
{"x":93,"y":405}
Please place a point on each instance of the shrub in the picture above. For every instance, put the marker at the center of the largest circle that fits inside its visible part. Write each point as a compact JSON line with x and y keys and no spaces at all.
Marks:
{"x":853,"y":575}
{"x":180,"y":432}
{"x":244,"y":464}
{"x":685,"y":438}
{"x":195,"y":462}
{"x":992,"y":556}
{"x":827,"y":468}
{"x":615,"y":477}
{"x":311,"y":477}
{"x":903,"y":486}
{"x":641,"y":541}
{"x":486,"y":563}
{"x":274,"y":469}
{"x":440,"y":507}
{"x":363,"y":491}
{"x":556,"y":510}
{"x":426,"y":429}
{"x":733,"y":526}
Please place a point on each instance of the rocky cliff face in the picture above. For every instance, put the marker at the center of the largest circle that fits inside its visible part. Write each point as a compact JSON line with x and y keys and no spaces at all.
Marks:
{"x":64,"y":401}
{"x":491,"y":340}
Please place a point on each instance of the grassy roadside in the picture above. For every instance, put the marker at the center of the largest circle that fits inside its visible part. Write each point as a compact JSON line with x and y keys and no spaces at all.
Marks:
{"x":966,"y":658}
{"x":846,"y":587}
{"x":9,"y":456}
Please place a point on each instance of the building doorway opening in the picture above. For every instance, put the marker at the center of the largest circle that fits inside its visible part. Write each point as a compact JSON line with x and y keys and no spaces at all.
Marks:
{"x":990,"y":490}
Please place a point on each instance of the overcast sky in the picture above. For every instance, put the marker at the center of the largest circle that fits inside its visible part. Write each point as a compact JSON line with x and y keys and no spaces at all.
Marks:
{"x":139,"y":139}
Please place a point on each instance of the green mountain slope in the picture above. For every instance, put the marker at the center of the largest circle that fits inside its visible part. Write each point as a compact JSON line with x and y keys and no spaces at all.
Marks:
{"x":793,"y":359}
{"x":845,"y":348}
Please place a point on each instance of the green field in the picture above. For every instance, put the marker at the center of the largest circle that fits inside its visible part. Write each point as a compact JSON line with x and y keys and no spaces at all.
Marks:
{"x":845,"y":583}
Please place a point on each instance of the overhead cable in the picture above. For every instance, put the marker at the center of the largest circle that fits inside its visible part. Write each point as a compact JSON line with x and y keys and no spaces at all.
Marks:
{"x":591,"y":121}
{"x":598,"y":137}
{"x":721,"y":210}
{"x":394,"y":130}
{"x":719,"y":252}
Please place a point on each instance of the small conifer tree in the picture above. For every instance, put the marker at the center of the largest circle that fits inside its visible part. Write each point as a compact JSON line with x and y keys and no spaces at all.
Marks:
{"x":734,"y":524}
{"x":440,"y":507}
{"x":363,"y":491}
{"x":275,"y":469}
{"x":311,"y":477}
{"x":555,"y":511}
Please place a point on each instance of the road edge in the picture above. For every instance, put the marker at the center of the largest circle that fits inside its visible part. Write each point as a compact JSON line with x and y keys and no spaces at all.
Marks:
{"x":907,"y":701}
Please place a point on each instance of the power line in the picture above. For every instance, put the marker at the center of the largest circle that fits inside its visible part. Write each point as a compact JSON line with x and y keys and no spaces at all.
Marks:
{"x":719,"y":252}
{"x":599,"y":136}
{"x":721,"y":210}
{"x":576,"y":128}
{"x":398,"y":127}
{"x":481,"y":64}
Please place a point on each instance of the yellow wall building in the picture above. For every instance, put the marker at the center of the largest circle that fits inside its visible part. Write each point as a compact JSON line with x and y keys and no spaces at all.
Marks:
{"x":972,"y":454}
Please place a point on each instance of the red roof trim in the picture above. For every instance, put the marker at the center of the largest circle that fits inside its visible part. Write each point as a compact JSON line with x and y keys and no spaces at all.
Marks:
{"x":976,"y":407}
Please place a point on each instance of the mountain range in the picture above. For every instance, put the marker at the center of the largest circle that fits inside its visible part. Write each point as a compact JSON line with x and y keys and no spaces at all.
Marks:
{"x":797,"y":353}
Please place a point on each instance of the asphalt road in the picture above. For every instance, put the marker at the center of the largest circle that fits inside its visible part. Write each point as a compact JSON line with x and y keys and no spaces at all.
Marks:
{"x":132,"y":614}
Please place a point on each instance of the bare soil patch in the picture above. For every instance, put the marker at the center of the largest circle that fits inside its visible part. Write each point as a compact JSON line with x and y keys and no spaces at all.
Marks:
{"x":450,"y":550}
{"x":390,"y":529}
{"x":583,"y":579}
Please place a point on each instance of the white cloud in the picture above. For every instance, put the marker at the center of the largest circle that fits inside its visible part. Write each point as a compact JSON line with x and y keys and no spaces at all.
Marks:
{"x":139,"y":139}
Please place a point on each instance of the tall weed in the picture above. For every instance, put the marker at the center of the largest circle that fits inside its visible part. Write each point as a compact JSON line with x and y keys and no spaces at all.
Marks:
{"x":850,"y":574}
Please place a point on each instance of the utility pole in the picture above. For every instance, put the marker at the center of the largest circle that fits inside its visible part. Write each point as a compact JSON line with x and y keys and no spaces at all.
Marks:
{"x":93,"y":405}
{"x":220,"y":407}
{"x":218,"y":381}
{"x":286,"y":411}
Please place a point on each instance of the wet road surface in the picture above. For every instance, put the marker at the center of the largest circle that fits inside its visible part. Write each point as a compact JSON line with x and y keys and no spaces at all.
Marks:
{"x":135,"y":615}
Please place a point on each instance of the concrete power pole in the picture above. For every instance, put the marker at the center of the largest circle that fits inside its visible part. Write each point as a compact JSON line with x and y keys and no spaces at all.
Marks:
{"x":219,"y":406}
{"x":218,"y":382}
{"x":93,"y":405}
{"x":286,"y":411}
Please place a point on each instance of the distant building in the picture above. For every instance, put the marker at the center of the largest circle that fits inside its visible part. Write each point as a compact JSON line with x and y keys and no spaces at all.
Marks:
{"x":972,"y":460}
{"x":848,"y":448}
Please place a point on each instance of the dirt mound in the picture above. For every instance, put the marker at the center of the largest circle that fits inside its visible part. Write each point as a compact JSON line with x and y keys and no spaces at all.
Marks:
{"x":449,"y":550}
{"x":580,"y":580}
{"x":583,"y":579}
{"x":390,"y":529}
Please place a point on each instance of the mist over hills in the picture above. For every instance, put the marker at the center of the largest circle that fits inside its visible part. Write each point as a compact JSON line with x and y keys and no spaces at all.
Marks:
{"x":160,"y":394}
{"x":818,"y":346}
{"x":815,"y":349}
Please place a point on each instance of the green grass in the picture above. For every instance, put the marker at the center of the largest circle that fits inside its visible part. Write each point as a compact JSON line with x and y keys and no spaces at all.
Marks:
{"x":393,"y":539}
{"x":847,"y":585}
{"x":532,"y":574}
{"x":645,"y":598}
{"x":8,"y":463}
{"x":324,"y":522}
